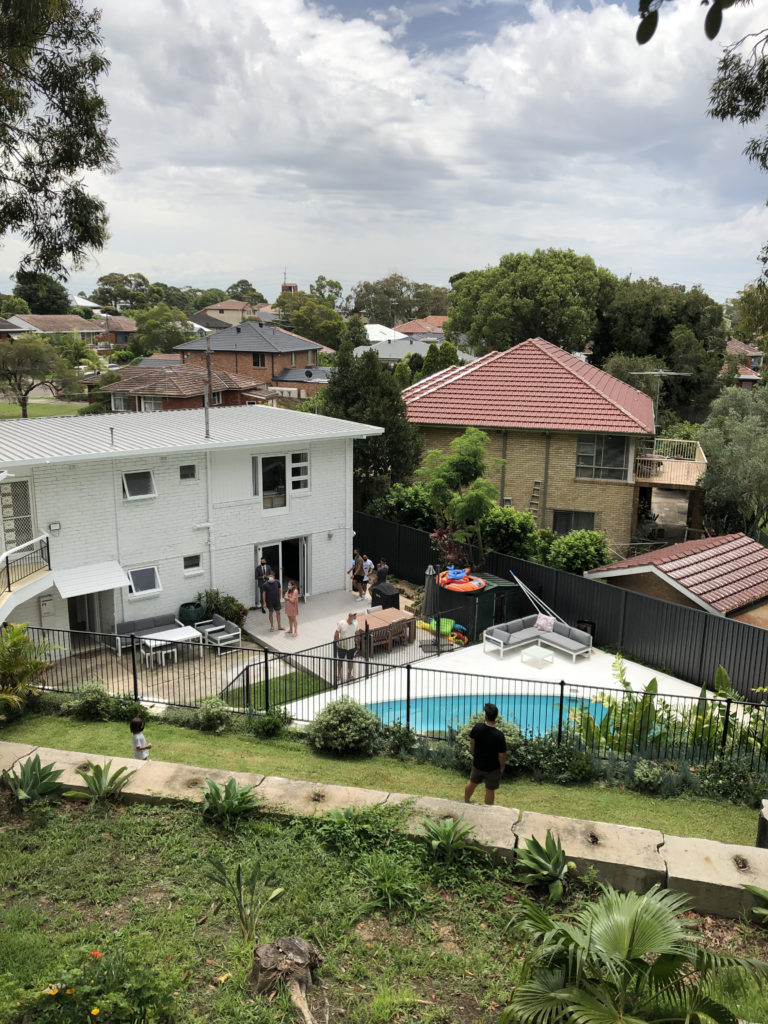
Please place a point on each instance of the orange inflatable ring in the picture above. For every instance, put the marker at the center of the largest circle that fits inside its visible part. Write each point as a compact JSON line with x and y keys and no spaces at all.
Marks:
{"x":464,"y":585}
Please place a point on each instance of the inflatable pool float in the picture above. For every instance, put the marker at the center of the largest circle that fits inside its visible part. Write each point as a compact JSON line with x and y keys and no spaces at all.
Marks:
{"x":459,"y":580}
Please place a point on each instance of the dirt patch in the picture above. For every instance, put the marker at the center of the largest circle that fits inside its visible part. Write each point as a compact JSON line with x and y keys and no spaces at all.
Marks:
{"x":725,"y":936}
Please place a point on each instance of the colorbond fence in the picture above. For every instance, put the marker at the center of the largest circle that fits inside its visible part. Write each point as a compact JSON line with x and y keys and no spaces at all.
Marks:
{"x":685,"y":642}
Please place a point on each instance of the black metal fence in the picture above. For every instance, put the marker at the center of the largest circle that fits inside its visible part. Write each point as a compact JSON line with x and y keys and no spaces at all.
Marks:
{"x":684,"y":642}
{"x":23,"y":562}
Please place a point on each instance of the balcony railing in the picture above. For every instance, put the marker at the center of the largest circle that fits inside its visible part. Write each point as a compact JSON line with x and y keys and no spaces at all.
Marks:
{"x":670,"y":461}
{"x":19,"y":563}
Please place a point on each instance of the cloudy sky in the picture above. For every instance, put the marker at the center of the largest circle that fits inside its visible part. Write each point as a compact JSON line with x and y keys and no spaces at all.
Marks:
{"x":426,"y":137}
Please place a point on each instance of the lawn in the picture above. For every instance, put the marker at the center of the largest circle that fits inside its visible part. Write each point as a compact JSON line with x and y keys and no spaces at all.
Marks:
{"x":686,"y":816}
{"x":12,"y":411}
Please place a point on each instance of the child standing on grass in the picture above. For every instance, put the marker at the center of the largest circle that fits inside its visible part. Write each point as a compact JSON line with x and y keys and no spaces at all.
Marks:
{"x":141,"y":748}
{"x":291,"y":600}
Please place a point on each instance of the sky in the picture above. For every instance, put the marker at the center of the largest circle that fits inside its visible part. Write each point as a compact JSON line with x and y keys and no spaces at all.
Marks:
{"x":257,"y":139}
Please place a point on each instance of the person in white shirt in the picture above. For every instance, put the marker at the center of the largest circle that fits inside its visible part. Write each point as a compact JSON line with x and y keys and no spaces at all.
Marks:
{"x":344,"y":640}
{"x":141,"y":748}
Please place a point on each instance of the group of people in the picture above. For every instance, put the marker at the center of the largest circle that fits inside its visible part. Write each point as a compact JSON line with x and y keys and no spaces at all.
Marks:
{"x":271,"y":599}
{"x":364,"y":573}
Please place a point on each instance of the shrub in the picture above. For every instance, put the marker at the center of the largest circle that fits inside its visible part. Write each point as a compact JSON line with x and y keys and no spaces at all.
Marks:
{"x":462,"y":756}
{"x":22,"y":663}
{"x":345,"y":728}
{"x":510,"y":532}
{"x":183,"y":718}
{"x":268,"y":725}
{"x":359,"y":829}
{"x":49,"y":702}
{"x":227,"y":804}
{"x":404,"y":504}
{"x":103,"y":784}
{"x":94,"y":704}
{"x":579,"y":551}
{"x":543,"y":865}
{"x":398,"y":739}
{"x":213,"y":715}
{"x":33,"y":781}
{"x":734,"y":780}
{"x":541,"y":757}
{"x":391,"y":882}
{"x":216,"y":603}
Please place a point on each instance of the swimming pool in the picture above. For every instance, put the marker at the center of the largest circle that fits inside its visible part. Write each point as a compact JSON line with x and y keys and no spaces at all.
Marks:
{"x":534,"y":714}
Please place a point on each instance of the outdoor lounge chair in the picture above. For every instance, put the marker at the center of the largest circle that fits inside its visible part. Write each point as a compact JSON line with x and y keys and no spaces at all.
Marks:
{"x":220,"y":632}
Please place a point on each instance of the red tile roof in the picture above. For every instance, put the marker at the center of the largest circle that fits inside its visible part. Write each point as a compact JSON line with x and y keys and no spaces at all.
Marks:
{"x":742,"y":372}
{"x":533,"y":386}
{"x":725,"y":573}
{"x":734,"y":347}
{"x":424,"y":325}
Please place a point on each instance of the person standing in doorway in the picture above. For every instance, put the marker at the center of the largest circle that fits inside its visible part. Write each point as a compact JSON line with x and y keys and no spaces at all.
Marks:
{"x":263,"y":569}
{"x":272,"y":595}
{"x":488,"y":748}
{"x":344,"y":640}
{"x":292,"y":608}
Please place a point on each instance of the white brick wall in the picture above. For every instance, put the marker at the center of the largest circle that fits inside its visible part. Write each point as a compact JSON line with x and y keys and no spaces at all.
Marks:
{"x":99,"y":524}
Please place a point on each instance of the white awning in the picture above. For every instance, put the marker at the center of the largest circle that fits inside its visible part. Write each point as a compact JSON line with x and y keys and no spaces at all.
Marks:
{"x":89,"y":579}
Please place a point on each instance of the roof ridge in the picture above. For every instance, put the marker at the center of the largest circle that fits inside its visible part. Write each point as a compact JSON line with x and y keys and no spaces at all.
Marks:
{"x":449,"y":375}
{"x":554,"y":355}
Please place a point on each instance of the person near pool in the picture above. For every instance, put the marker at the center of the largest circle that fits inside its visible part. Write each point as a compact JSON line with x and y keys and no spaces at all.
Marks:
{"x":272,"y":595}
{"x":291,"y":599}
{"x":263,"y":569}
{"x":344,"y":640}
{"x":488,"y":748}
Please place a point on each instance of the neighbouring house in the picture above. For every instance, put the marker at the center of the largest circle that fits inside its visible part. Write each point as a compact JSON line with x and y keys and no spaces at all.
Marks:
{"x":725,"y":576}
{"x":378,"y":332}
{"x":746,"y":377}
{"x":261,"y":352}
{"x":59,"y":323}
{"x":569,"y":442}
{"x":123,"y":517}
{"x":8,"y":330}
{"x":79,"y":302}
{"x":232,"y":311}
{"x":208,"y":323}
{"x":392,"y":350}
{"x":747,"y":354}
{"x":165,"y":388}
{"x":117,"y":332}
{"x":161,"y":359}
{"x":433,"y":326}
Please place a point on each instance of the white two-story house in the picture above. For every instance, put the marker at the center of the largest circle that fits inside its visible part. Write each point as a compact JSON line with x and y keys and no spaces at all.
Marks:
{"x":106,"y":519}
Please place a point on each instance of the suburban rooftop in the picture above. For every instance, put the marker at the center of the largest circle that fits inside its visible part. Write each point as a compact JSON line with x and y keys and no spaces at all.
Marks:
{"x":57,"y":439}
{"x":251,"y":336}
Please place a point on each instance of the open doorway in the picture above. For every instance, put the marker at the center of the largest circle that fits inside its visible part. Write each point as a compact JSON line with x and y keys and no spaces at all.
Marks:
{"x":288,"y":560}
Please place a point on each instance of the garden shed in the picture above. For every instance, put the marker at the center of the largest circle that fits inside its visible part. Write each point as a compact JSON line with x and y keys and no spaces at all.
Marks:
{"x":499,"y":601}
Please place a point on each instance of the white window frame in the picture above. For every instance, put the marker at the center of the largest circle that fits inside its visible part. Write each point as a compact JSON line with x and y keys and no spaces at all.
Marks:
{"x":192,"y":570}
{"x":217,"y":398}
{"x":136,"y":595}
{"x":300,"y":481}
{"x":127,"y":496}
{"x":312,"y":357}
{"x":151,"y":403}
{"x":120,"y":402}
{"x":188,"y":479}
{"x":259,"y":360}
{"x":591,"y":465}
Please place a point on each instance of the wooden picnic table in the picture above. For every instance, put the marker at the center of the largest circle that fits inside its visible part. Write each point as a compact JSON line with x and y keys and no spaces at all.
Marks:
{"x":387,"y":625}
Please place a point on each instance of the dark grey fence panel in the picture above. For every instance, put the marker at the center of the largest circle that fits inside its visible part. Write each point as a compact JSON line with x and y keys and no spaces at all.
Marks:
{"x":407,"y":551}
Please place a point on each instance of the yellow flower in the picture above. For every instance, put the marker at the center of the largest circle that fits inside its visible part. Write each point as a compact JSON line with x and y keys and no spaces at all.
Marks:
{"x":70,"y":991}
{"x":94,"y":1011}
{"x":52,"y":990}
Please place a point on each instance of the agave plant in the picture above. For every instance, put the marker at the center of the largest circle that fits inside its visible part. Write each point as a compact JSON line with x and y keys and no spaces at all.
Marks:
{"x":34,"y":781}
{"x":104,"y":784}
{"x":447,"y":839}
{"x":225,"y":805}
{"x":624,"y":959}
{"x":760,"y":909}
{"x":543,"y":865}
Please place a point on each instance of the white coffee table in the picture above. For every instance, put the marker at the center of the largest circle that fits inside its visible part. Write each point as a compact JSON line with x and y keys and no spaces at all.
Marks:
{"x":537,"y":656}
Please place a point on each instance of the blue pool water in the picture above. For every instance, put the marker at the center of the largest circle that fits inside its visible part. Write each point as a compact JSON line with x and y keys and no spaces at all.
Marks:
{"x":534,"y":714}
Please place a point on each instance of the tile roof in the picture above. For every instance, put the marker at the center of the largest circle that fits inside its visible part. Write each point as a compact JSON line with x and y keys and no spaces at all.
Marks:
{"x":533,"y":386}
{"x":251,"y":336}
{"x":8,"y":328}
{"x":424,"y":325}
{"x":295,"y":374}
{"x":211,"y":323}
{"x":117,"y":323}
{"x":228,"y":304}
{"x":59,"y":439}
{"x":58,"y":323}
{"x":175,"y":382}
{"x":734,"y":347}
{"x":725,"y":573}
{"x":162,"y":359}
{"x":742,"y":372}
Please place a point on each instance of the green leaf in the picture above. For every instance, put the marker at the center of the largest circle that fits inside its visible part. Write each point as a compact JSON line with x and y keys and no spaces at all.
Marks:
{"x":713,"y":20}
{"x":647,"y":27}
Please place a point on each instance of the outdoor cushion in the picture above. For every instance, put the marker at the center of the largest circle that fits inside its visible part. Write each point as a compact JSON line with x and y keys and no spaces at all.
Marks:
{"x":545,"y":623}
{"x":565,"y":643}
{"x":580,"y":635}
{"x":531,"y":633}
{"x":529,"y":620}
{"x":562,"y":628}
{"x":497,"y":633}
{"x":513,"y":626}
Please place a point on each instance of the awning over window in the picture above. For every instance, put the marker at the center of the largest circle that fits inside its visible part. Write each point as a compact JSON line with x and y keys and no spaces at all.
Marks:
{"x":89,"y":579}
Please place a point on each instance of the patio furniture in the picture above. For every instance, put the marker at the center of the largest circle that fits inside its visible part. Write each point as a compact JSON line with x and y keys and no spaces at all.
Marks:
{"x":140,"y":628}
{"x":155,"y":651}
{"x":219,"y":632}
{"x":536,"y":656}
{"x":175,"y":635}
{"x":520,"y":632}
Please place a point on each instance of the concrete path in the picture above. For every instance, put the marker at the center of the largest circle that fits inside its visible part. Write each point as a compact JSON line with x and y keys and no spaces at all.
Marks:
{"x":711,"y":874}
{"x":316,"y":624}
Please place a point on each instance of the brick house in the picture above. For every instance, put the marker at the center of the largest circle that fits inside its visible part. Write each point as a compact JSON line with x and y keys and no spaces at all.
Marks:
{"x":568,"y":442}
{"x":430,"y":325}
{"x":131,"y":516}
{"x":59,"y":323}
{"x":259,"y":351}
{"x":726,"y":576}
{"x":163,"y":389}
{"x":232,"y":311}
{"x":116,"y":332}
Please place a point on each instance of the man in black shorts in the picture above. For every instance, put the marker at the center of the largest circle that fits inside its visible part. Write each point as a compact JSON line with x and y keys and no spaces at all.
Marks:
{"x":489,"y":756}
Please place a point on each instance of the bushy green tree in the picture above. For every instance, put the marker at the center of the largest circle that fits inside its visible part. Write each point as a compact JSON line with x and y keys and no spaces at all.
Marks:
{"x":318,"y":322}
{"x":53,"y":129}
{"x":160,"y":329}
{"x":395,"y":299}
{"x":579,"y":551}
{"x":403,"y":374}
{"x":244,"y":291}
{"x":28,"y":361}
{"x":406,"y":504}
{"x":13,"y":305}
{"x":511,"y":532}
{"x":326,"y":291}
{"x":356,"y":331}
{"x":42,"y":293}
{"x":131,"y":291}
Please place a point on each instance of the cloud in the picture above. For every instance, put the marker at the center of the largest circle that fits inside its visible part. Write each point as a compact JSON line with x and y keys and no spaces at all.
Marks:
{"x":258,"y":136}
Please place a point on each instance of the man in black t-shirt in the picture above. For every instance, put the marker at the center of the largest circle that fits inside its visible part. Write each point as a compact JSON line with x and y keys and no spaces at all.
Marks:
{"x":489,"y":756}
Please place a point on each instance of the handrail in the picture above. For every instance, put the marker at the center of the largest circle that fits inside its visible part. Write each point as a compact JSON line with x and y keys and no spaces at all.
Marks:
{"x":26,"y":544}
{"x":17,"y":564}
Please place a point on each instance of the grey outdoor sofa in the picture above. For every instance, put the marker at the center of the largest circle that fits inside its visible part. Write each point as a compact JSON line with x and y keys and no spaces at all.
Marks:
{"x":140,"y":627}
{"x":519,"y":632}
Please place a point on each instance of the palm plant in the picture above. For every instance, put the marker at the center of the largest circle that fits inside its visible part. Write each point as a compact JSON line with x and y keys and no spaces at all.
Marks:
{"x":624,"y":959}
{"x":22,"y":661}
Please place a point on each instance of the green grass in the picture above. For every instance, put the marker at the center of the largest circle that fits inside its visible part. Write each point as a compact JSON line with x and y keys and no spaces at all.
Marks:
{"x":687,"y":816}
{"x":12,"y":411}
{"x":291,"y":686}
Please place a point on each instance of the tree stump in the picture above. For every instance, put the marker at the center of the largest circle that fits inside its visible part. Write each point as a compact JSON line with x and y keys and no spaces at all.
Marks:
{"x":293,"y":962}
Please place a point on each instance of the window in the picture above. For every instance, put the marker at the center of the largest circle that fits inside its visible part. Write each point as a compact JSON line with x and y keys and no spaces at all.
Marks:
{"x":259,"y":358}
{"x":121,"y":403}
{"x":149,"y":404}
{"x":565,"y":521}
{"x":312,"y":357}
{"x":300,"y":471}
{"x":273,"y":489}
{"x":217,"y":398}
{"x":188,"y":472}
{"x":293,"y":358}
{"x":144,"y":581}
{"x":602,"y":457}
{"x":138,"y":485}
{"x":192,"y":564}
